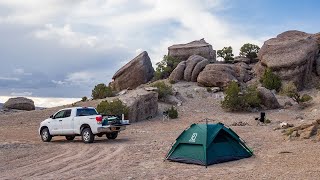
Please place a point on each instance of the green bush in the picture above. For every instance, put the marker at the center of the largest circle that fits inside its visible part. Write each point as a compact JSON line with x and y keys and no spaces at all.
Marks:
{"x":165,"y":67}
{"x":249,"y":50}
{"x":291,"y":91}
{"x":84,"y":99}
{"x":226,"y":54}
{"x":172,"y":112}
{"x":115,"y":107}
{"x":251,"y":98}
{"x":237,"y":100}
{"x":101,"y":91}
{"x":163,"y":89}
{"x":270,"y":80}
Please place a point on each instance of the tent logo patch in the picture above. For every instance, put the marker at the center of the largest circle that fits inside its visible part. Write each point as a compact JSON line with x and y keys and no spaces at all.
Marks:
{"x":193,"y":137}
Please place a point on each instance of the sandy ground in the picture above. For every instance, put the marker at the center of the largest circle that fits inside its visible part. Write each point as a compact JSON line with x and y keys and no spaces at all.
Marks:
{"x":138,"y":152}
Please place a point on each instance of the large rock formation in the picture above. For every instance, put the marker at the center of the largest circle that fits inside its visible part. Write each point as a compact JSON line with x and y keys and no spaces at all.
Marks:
{"x":142,"y":104}
{"x":220,"y":75}
{"x":20,"y":103}
{"x":198,"y":68}
{"x":190,"y":64}
{"x":238,"y":59}
{"x":290,"y":55}
{"x":138,"y":71}
{"x":177,"y":74}
{"x":268,"y":99}
{"x":217,"y":75}
{"x":200,"y":47}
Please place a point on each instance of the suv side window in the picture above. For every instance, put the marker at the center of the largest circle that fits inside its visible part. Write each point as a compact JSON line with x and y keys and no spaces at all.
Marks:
{"x":60,"y":114}
{"x":67,"y":113}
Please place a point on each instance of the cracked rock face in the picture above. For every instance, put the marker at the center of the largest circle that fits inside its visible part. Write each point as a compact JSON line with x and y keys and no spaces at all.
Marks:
{"x":290,"y":55}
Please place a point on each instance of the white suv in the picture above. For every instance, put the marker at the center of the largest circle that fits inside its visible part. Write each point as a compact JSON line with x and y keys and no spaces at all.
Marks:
{"x":81,"y":121}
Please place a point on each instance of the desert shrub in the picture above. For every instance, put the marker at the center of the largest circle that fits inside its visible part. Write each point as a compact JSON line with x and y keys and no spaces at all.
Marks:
{"x":237,"y":100}
{"x":209,"y":90}
{"x":163,"y":89}
{"x":115,"y":107}
{"x":84,"y":99}
{"x":249,"y":50}
{"x":291,"y":91}
{"x":251,"y":98}
{"x":101,"y":91}
{"x":165,"y":67}
{"x":226,"y":54}
{"x":172,"y":112}
{"x":270,"y":80}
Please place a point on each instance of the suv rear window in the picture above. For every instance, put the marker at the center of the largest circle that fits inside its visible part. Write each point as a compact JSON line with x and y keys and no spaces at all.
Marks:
{"x":86,"y":112}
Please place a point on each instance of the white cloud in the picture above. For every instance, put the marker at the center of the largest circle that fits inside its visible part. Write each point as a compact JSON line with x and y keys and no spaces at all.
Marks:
{"x":21,"y":94}
{"x":9,"y":79}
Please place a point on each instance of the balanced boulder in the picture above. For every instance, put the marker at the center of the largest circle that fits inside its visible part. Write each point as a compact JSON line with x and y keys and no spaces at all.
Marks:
{"x":290,"y":55}
{"x":200,"y":47}
{"x":177,"y":74}
{"x":138,"y":71}
{"x":268,"y":99}
{"x":20,"y":103}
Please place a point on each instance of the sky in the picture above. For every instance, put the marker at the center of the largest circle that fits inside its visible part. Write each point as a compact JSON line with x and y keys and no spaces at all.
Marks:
{"x":55,"y":51}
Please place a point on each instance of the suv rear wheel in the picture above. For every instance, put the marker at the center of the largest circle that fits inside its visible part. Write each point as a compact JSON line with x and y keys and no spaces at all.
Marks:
{"x":45,"y":135}
{"x":87,"y":136}
{"x":112,"y":135}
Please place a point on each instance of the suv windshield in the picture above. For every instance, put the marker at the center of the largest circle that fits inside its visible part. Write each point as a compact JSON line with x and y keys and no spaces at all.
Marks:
{"x":86,"y":112}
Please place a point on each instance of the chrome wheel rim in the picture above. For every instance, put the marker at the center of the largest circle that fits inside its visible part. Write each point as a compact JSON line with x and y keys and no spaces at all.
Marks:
{"x":86,"y":136}
{"x":45,"y":135}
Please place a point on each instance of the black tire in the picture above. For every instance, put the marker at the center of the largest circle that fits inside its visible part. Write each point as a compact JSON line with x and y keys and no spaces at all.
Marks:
{"x":70,"y":138}
{"x":87,"y":136}
{"x":112,"y":135}
{"x":45,"y":135}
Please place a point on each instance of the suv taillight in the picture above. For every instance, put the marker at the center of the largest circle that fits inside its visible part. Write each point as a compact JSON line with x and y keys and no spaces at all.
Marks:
{"x":99,"y":119}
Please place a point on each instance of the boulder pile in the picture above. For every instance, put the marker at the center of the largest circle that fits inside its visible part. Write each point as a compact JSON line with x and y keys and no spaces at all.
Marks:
{"x":304,"y":131}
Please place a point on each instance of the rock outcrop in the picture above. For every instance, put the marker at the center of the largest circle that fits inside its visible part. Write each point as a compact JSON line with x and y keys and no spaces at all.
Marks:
{"x":290,"y":55}
{"x":238,"y":59}
{"x":217,"y":75}
{"x":198,"y":68}
{"x":200,"y":47}
{"x":190,"y":64}
{"x":138,"y":71}
{"x":177,"y":74}
{"x":20,"y":103}
{"x":220,"y":75}
{"x":268,"y":99}
{"x":142,"y":104}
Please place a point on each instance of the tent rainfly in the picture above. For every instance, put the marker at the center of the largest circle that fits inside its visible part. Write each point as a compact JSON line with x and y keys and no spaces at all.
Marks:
{"x":207,"y":144}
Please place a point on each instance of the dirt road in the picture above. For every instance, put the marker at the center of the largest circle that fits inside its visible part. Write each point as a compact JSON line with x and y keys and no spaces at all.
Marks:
{"x":138,"y":152}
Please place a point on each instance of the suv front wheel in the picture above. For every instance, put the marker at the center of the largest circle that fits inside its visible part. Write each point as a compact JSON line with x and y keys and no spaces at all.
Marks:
{"x":87,"y":136}
{"x":45,"y":135}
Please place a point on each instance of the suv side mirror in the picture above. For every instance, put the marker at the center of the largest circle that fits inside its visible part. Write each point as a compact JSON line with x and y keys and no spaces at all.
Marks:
{"x":51,"y":116}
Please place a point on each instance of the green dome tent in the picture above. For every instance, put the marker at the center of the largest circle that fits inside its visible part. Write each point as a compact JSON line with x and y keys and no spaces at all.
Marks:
{"x":207,"y":144}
